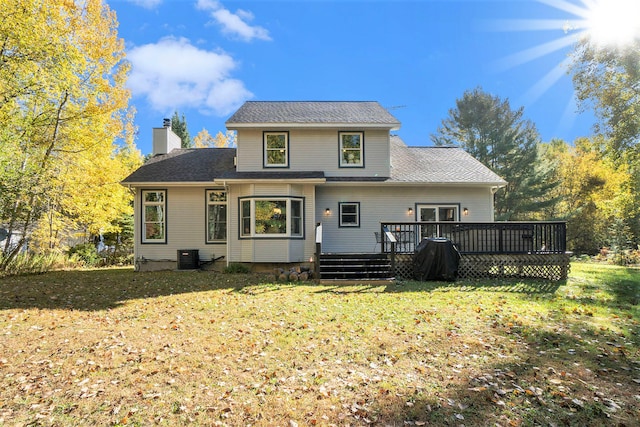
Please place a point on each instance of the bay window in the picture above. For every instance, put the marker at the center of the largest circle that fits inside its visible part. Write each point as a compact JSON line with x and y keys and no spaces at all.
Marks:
{"x":271,"y":217}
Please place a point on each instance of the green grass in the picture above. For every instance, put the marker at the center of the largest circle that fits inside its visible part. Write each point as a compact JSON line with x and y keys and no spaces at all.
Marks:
{"x":114,"y":347}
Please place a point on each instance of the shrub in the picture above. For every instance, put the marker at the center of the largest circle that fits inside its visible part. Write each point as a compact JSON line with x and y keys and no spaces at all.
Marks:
{"x":236,"y":267}
{"x":86,"y":252}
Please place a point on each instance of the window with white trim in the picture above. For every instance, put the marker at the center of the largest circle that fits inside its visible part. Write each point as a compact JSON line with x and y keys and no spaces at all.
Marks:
{"x":271,"y":217}
{"x":349,"y":214}
{"x":154,"y":218}
{"x":276,"y":149}
{"x":436,"y":213}
{"x":351,"y":149}
{"x":216,"y":216}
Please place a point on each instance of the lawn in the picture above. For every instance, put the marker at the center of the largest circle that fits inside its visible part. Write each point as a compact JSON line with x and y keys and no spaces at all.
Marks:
{"x":115,"y":347}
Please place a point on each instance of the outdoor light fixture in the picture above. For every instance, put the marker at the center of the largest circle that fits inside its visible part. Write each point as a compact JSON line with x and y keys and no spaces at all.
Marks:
{"x":410,"y":211}
{"x":327,"y":211}
{"x":465,"y":211}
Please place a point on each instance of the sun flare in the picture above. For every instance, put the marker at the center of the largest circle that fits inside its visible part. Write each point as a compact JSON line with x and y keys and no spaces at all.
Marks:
{"x":607,"y":24}
{"x":612,"y":22}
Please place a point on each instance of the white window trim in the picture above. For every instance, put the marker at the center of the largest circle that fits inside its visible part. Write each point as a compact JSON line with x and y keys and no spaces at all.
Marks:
{"x":266,"y":150}
{"x":289,"y":223}
{"x":145,"y":203}
{"x":344,"y":164}
{"x":341,"y":205}
{"x":226,"y":219}
{"x":437,"y":208}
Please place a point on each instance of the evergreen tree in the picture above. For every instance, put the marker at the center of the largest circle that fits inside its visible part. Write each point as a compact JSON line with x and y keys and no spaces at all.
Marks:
{"x":179,"y":127}
{"x":499,"y":137}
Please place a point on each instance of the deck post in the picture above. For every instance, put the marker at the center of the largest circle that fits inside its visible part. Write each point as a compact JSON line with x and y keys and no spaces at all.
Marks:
{"x":393,"y":258}
{"x":316,"y":258}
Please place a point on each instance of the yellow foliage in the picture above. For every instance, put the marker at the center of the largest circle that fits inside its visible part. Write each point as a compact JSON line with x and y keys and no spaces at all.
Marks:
{"x":67,"y":135}
{"x":593,"y":190}
{"x":204,"y":139}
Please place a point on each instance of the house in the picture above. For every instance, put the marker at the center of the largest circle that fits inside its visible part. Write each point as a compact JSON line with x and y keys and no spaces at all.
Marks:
{"x":297,"y":164}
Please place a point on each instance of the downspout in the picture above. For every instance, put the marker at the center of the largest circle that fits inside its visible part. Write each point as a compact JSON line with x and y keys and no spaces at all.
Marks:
{"x":226,"y":189}
{"x":494,"y":190}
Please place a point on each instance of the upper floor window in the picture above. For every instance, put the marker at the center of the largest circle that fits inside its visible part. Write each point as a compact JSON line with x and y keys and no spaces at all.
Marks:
{"x":154,"y":218}
{"x":351,"y":149}
{"x":276,"y":149}
{"x":216,"y":216}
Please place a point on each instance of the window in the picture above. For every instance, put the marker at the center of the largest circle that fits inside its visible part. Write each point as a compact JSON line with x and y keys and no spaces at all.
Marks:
{"x":154,"y":219}
{"x":351,"y":149}
{"x":245,"y":218}
{"x":271,"y":217}
{"x":276,"y":149}
{"x":349,"y":214}
{"x":296,"y":217}
{"x":436,"y":213}
{"x":216,"y":216}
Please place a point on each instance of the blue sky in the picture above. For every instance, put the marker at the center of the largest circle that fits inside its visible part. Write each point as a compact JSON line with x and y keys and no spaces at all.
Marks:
{"x":204,"y":58}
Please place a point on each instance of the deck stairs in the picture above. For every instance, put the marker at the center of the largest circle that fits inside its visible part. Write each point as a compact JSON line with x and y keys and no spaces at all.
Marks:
{"x":355,"y":267}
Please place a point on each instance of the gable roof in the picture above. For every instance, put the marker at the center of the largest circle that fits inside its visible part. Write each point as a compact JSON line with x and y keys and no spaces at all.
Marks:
{"x":312,"y":113}
{"x":438,"y":165}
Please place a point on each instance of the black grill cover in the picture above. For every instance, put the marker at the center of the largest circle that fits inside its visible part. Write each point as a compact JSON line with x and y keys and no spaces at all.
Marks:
{"x":436,"y":259}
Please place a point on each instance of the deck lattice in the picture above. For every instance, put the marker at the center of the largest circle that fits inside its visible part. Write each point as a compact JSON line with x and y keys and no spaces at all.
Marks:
{"x":482,"y":266}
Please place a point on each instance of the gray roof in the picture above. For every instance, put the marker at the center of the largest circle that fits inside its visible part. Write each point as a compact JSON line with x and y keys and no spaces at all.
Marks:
{"x":185,"y":165}
{"x":312,"y":112}
{"x":419,"y":165}
{"x":203,"y":165}
{"x":436,"y":165}
{"x":273,"y":175}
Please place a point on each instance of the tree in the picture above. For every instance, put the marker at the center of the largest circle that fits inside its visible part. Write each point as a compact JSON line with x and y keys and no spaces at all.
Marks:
{"x":608,"y":80}
{"x":179,"y":127}
{"x":594,"y":194}
{"x":63,"y":106}
{"x":488,"y":129}
{"x":204,"y":139}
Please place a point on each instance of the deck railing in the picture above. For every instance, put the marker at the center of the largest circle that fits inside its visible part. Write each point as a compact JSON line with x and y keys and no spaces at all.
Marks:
{"x":481,"y":237}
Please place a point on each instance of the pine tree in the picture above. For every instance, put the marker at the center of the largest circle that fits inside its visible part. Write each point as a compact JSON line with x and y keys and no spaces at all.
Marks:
{"x":499,"y":137}
{"x":179,"y":127}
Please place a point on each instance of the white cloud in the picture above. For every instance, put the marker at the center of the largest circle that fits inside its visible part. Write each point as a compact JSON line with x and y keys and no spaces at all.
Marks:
{"x":234,"y":24}
{"x":147,"y":4}
{"x":173,"y":74}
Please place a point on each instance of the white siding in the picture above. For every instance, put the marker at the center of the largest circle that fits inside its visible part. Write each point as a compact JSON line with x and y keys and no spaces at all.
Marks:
{"x":186,"y":227}
{"x":389,"y":204}
{"x":316,"y":150}
{"x":272,"y":250}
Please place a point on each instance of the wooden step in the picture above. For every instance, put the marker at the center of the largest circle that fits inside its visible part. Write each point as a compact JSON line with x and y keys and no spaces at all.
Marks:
{"x":354,"y":267}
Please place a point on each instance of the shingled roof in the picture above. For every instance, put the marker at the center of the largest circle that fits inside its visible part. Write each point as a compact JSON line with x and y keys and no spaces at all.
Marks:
{"x":409,"y":165}
{"x":203,"y":165}
{"x":437,"y":165}
{"x":257,"y":113}
{"x":185,"y":165}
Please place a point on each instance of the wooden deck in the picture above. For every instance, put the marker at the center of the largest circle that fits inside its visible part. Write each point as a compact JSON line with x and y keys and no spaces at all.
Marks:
{"x":487,"y":249}
{"x":497,"y":250}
